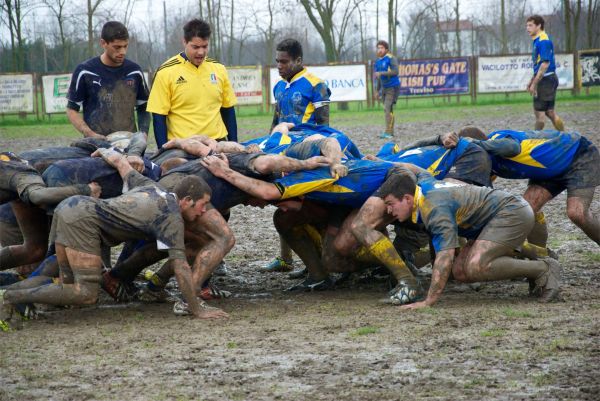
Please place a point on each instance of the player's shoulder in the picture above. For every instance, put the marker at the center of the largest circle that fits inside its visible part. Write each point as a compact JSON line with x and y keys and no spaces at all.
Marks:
{"x":313,"y":79}
{"x":91,"y":64}
{"x":544,"y":37}
{"x":170,"y":63}
{"x":130,"y":65}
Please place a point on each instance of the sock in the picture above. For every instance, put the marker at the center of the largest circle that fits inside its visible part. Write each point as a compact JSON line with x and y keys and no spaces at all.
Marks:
{"x":384,"y":250}
{"x":559,"y":124}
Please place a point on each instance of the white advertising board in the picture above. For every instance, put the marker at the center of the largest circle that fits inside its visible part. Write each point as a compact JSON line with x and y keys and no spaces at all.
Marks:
{"x":16,"y":93}
{"x":346,"y":82}
{"x":55,"y":92}
{"x":247,"y":84}
{"x":512,"y":73}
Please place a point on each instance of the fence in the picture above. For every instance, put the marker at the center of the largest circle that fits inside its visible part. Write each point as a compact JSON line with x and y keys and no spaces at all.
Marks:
{"x":253,"y":85}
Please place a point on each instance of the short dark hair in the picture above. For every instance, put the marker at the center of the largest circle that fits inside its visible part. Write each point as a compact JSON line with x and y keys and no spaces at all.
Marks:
{"x":398,"y":184}
{"x":114,"y":30}
{"x":291,"y":46}
{"x":471,"y":131}
{"x":537,"y":19}
{"x":196,"y":28}
{"x":384,"y":44}
{"x":192,"y":186}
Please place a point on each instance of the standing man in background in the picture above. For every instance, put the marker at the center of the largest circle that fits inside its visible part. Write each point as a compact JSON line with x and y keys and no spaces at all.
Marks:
{"x":301,"y":98}
{"x":388,"y":84}
{"x":191,"y":93}
{"x":108,"y":87}
{"x":544,"y":82}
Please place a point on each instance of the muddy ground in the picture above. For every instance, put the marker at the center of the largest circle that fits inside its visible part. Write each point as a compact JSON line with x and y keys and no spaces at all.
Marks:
{"x":337,"y":345}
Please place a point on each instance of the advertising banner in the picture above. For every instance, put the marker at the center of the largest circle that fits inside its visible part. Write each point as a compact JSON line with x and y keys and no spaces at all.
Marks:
{"x":55,"y":88}
{"x":590,"y":68}
{"x":247,"y":84}
{"x":434,"y":77}
{"x":16,"y":93}
{"x":512,"y":73}
{"x":346,"y":82}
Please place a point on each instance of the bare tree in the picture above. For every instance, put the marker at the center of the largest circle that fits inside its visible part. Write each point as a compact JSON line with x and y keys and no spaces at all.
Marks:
{"x":593,"y":12}
{"x":457,"y":27}
{"x":322,"y":14}
{"x":57,"y":8}
{"x":92,"y":7}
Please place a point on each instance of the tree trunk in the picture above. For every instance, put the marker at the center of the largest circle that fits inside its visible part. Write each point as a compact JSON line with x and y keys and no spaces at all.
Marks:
{"x":503,"y":39}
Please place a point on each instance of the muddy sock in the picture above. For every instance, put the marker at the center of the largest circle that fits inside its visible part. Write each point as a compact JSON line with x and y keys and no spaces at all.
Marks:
{"x":539,"y":233}
{"x":7,"y":259}
{"x":531,"y":251}
{"x":385,"y":252}
{"x":559,"y":124}
{"x":363,"y":255}
{"x":505,"y":268}
{"x":302,"y":240}
{"x":127,"y":270}
{"x":30,"y":283}
{"x":284,"y":250}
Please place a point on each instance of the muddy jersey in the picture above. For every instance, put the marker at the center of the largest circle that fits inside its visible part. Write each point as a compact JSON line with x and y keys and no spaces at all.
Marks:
{"x":363,"y":179}
{"x":531,"y":154}
{"x":450,"y":210}
{"x":16,"y":176}
{"x":40,"y":159}
{"x":466,"y":161}
{"x":146,"y":211}
{"x":7,"y":215}
{"x":108,"y":95}
{"x":93,"y":169}
{"x":279,"y":143}
{"x":224,"y":195}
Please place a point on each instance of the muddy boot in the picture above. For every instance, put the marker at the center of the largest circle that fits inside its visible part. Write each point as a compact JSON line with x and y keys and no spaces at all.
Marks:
{"x":548,"y":284}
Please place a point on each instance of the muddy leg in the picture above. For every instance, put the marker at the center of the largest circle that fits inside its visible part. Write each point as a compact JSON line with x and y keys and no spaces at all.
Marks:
{"x":578,"y":210}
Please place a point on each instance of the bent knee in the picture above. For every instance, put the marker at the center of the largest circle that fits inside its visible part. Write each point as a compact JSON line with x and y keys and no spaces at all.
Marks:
{"x":577,"y":215}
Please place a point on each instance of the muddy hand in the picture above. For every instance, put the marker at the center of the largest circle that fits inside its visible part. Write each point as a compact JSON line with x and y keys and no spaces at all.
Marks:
{"x":416,"y":305}
{"x":212,"y":313}
{"x":338,"y":170}
{"x":110,"y":155}
{"x":449,"y":140}
{"x":137,"y":163}
{"x":95,"y":189}
{"x":284,"y":128}
{"x":316,"y":162}
{"x":172,"y":144}
{"x":214,"y":164}
{"x":253,"y":148}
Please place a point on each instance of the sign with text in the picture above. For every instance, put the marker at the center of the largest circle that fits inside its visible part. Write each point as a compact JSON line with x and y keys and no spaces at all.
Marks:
{"x":346,"y":82}
{"x":513,"y":73}
{"x":247,"y":84}
{"x":16,"y":93}
{"x":590,"y":68}
{"x":434,"y":77}
{"x":55,"y":88}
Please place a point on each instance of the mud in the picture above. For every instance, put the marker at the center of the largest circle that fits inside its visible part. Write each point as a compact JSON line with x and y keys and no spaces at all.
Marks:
{"x":495,"y":343}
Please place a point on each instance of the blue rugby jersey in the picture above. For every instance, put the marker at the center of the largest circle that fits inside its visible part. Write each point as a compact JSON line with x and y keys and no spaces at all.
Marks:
{"x":363,"y":179}
{"x":543,"y":50}
{"x":385,"y":64}
{"x":531,"y":154}
{"x":298,"y":99}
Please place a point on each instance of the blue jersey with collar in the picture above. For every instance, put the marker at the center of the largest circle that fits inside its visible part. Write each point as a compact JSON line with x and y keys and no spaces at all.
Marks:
{"x":541,"y":154}
{"x":298,"y":99}
{"x":278,"y":143}
{"x":436,"y":159}
{"x":384,"y":64}
{"x":108,"y":95}
{"x":363,"y":179}
{"x":543,"y":50}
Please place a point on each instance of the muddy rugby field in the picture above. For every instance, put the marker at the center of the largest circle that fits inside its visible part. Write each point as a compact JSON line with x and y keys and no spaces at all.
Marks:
{"x":494,"y":343}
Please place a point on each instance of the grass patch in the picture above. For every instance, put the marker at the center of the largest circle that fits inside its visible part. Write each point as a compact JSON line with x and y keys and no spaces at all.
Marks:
{"x":513,"y":355}
{"x":542,"y":379}
{"x":493,"y":333}
{"x":510,"y":312}
{"x":474,"y":383}
{"x":363,"y":331}
{"x":592,"y":256}
{"x":232,"y":345}
{"x":428,"y":310}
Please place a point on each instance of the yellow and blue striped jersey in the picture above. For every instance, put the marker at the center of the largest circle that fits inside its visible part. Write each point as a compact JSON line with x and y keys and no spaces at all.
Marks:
{"x":531,"y":154}
{"x":298,"y":99}
{"x":363,"y":179}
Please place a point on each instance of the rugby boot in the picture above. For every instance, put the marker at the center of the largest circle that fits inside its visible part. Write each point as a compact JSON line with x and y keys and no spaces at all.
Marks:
{"x":309,"y":284}
{"x":278,"y":265}
{"x":405,"y":293}
{"x":114,"y":287}
{"x":548,"y":283}
{"x":221,"y":269}
{"x":180,"y":308}
{"x":211,"y":292}
{"x":296,"y":274}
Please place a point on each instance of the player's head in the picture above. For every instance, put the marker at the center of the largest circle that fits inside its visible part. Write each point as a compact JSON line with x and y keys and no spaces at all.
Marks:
{"x":382,"y":48}
{"x":196,"y":34}
{"x":535,"y":24}
{"x":398,"y":194}
{"x":471,"y":131}
{"x":288,"y":57}
{"x":193,"y":194}
{"x":114,"y":39}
